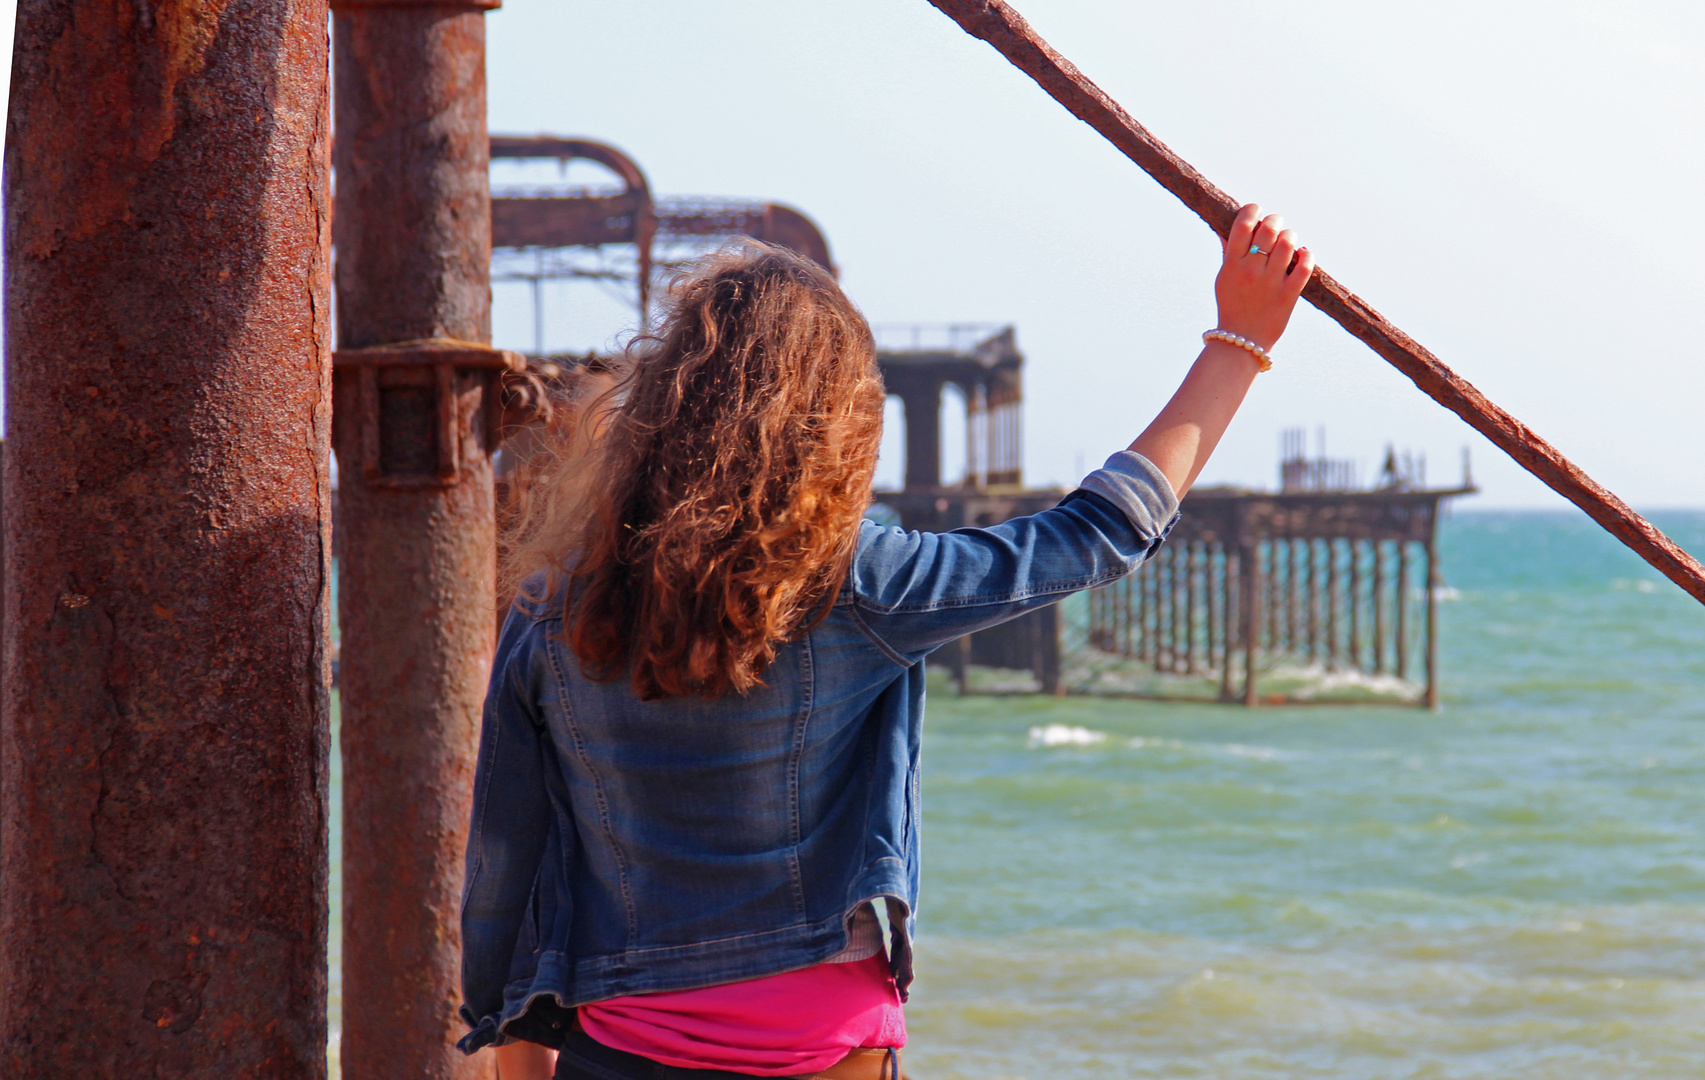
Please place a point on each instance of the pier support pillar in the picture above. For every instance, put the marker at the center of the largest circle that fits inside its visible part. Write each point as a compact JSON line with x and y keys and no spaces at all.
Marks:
{"x":415,"y":409}
{"x":1435,"y":582}
{"x":163,"y":701}
{"x":922,"y":402}
{"x":1249,"y":590}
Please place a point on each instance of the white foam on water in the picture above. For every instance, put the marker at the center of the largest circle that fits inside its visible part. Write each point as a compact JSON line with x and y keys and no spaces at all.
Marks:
{"x":1145,"y":741}
{"x":1320,"y":681}
{"x":1064,"y":735}
{"x":1253,"y":753}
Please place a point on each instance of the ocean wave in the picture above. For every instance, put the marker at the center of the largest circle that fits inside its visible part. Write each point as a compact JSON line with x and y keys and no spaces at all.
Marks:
{"x":1318,"y":681}
{"x":1064,"y":735}
{"x":1237,"y":750}
{"x":1145,"y":741}
{"x":1045,"y":736}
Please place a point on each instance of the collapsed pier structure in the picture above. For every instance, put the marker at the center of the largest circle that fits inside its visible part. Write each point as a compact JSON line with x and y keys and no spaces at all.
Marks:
{"x":1317,"y":583}
{"x":1323,"y":589}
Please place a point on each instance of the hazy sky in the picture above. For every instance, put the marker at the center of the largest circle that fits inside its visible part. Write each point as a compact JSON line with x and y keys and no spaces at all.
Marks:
{"x":1516,"y":184}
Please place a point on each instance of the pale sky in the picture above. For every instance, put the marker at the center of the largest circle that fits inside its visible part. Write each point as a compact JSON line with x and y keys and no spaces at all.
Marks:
{"x":1513,"y":183}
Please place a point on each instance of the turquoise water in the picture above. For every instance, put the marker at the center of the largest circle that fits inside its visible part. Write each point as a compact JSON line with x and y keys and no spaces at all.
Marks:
{"x":1512,"y":887}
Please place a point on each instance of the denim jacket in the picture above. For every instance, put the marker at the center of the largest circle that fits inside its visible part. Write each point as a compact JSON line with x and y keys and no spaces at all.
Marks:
{"x":626,"y":847}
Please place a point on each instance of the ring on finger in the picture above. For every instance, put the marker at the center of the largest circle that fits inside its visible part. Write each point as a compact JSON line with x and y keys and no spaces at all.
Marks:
{"x":1255,"y":249}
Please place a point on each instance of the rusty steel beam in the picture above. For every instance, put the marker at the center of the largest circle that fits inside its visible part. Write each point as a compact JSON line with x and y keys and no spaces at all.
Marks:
{"x":415,"y":406}
{"x":634,"y":217}
{"x":164,"y":712}
{"x":998,"y":24}
{"x":582,"y":221}
{"x":578,"y":221}
{"x":770,"y":222}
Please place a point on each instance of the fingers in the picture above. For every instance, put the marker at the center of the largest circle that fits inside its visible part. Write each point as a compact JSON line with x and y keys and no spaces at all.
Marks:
{"x":1242,"y":228}
{"x":1256,"y":292}
{"x":1284,"y":248}
{"x":1267,"y":233}
{"x":1300,"y":273}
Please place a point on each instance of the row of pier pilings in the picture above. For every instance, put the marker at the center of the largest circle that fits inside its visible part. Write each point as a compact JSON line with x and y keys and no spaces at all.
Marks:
{"x":1332,"y":582}
{"x":172,"y":397}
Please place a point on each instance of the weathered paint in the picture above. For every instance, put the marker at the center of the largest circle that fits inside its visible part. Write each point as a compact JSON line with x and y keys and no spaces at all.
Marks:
{"x":163,"y":723}
{"x":416,"y":538}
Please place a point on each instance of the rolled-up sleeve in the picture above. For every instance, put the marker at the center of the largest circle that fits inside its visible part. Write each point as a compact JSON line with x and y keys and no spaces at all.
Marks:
{"x":1133,"y":484}
{"x":916,"y":591}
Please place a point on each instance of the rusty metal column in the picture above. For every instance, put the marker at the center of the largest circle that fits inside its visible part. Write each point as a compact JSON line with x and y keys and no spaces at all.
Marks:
{"x":1331,"y":603}
{"x":1355,"y":606}
{"x":1379,"y":607}
{"x":1228,"y":635}
{"x":1249,"y":590}
{"x":164,"y":712}
{"x":415,"y":409}
{"x":1434,"y":583}
{"x":1401,"y":619}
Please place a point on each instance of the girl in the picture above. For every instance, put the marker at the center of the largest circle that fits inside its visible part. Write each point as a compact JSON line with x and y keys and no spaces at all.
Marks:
{"x":697,"y":789}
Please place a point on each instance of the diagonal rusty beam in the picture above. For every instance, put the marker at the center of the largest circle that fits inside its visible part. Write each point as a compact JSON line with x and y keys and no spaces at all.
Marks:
{"x":999,"y":25}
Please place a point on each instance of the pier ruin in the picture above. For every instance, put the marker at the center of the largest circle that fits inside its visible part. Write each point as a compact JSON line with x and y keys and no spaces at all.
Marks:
{"x":1320,"y":576}
{"x":1322,"y":579}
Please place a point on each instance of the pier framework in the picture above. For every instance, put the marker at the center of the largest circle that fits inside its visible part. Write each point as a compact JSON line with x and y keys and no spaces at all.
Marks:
{"x":1325,"y":579}
{"x":1336,"y":582}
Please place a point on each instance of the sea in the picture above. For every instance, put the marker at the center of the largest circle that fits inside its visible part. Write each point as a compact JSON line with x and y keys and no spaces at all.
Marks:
{"x":1511,"y":886}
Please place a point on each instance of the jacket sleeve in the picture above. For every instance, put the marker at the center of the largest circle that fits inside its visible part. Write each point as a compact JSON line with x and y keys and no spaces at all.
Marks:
{"x":916,"y":591}
{"x":512,"y":824}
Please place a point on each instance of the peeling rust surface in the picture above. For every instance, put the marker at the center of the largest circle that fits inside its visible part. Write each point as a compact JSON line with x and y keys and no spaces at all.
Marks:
{"x":416,"y":535}
{"x":1002,"y":27}
{"x":163,"y":722}
{"x":414,"y":187}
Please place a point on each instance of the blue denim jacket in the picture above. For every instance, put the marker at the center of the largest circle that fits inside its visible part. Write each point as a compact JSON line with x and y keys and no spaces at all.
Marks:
{"x":628,"y":847}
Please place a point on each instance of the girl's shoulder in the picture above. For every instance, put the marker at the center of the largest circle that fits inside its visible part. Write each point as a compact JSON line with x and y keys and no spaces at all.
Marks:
{"x":540,"y":598}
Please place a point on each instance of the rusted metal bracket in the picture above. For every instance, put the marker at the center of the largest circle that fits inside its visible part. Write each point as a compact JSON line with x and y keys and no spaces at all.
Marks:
{"x":1002,"y":27}
{"x":419,"y":402}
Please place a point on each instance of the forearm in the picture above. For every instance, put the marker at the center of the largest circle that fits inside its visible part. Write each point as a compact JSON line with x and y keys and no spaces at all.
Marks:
{"x":1181,"y":439}
{"x":525,"y":1061}
{"x":1262,"y":272}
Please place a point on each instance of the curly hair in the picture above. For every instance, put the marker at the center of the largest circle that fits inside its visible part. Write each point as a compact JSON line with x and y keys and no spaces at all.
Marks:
{"x":705,"y":508}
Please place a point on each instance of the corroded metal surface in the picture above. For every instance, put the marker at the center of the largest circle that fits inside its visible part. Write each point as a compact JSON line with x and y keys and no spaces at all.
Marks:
{"x":416,"y":538}
{"x":554,"y":219}
{"x":164,"y":721}
{"x":998,"y":24}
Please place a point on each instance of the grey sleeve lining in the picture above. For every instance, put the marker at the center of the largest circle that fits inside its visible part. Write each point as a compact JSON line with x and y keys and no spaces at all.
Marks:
{"x":1133,"y":484}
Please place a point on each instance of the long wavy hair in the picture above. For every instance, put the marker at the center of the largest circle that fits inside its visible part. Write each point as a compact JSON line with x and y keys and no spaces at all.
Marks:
{"x":704,"y":508}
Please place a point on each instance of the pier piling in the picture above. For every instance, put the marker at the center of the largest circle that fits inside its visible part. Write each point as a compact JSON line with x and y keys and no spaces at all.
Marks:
{"x":416,"y":409}
{"x":163,"y":702}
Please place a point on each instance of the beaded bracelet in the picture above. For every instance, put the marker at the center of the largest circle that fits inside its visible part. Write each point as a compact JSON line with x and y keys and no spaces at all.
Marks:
{"x":1229,"y":338}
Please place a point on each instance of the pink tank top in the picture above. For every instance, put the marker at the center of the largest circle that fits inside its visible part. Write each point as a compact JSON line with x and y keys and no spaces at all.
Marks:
{"x":780,"y":1025}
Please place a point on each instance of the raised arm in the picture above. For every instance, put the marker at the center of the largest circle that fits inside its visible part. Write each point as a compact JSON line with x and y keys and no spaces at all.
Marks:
{"x":1257,"y":289}
{"x":916,"y":591}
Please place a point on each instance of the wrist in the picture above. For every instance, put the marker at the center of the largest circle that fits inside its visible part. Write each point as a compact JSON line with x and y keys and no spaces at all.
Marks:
{"x":1249,"y":330}
{"x":1231,"y":341}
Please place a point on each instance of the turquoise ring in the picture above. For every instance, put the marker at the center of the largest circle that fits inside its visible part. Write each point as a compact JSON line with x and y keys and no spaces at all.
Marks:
{"x":1255,"y":249}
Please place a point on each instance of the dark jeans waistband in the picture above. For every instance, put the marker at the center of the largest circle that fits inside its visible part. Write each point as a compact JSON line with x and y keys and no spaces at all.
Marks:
{"x":584,"y":1058}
